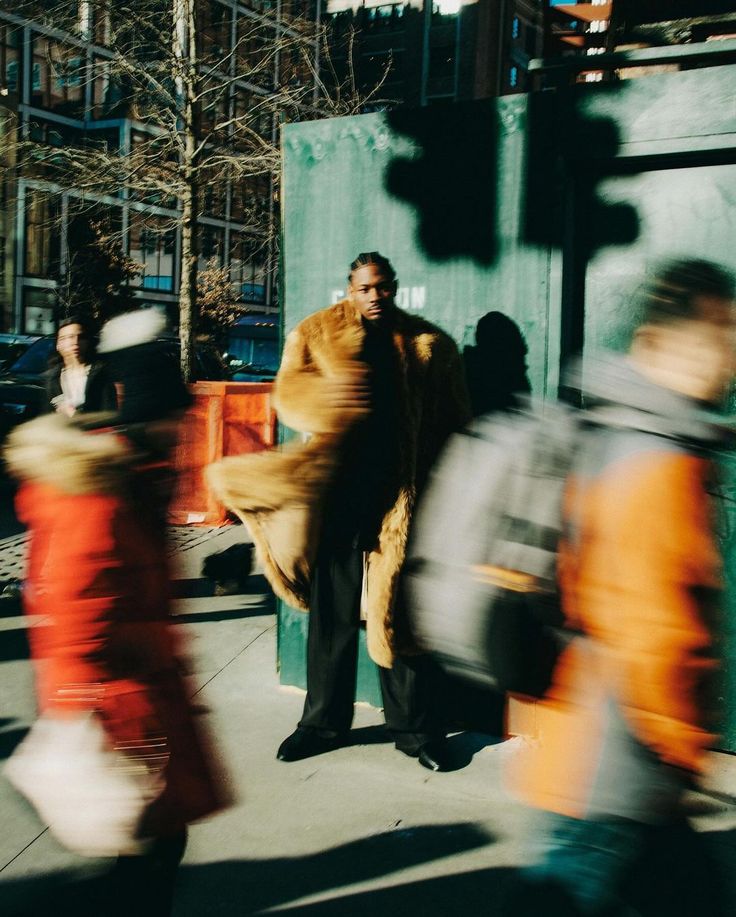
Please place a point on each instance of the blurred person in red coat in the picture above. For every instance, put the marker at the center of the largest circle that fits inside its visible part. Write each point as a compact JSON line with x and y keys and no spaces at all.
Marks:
{"x":92,"y":498}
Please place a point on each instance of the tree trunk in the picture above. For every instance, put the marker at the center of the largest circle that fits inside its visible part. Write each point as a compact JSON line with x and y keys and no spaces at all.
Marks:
{"x":185,"y":12}
{"x":188,"y":286}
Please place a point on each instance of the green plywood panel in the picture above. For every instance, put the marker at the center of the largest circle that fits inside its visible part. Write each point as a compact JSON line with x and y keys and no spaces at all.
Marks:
{"x":441,"y":193}
{"x":686,"y":111}
{"x":539,"y":180}
{"x":337,"y":202}
{"x":292,"y":638}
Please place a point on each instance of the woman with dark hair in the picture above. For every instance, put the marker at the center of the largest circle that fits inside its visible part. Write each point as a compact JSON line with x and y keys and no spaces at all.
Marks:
{"x":76,"y":383}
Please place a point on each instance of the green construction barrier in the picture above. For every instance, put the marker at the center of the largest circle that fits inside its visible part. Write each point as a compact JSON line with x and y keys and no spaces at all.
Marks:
{"x":548,"y":207}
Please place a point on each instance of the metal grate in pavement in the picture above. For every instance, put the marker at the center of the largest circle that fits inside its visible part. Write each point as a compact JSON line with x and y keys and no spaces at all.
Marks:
{"x":12,"y":557}
{"x":13,"y":549}
{"x":186,"y":537}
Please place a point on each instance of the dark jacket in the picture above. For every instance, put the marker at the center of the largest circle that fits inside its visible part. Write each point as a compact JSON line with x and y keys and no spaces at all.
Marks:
{"x":100,"y":394}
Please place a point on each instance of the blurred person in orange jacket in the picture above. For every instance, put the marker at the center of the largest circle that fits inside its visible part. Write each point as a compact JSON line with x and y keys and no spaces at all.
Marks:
{"x":625,"y":729}
{"x":98,"y":572}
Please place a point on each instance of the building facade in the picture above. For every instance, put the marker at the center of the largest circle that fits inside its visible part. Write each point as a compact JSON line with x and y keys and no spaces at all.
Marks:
{"x":55,"y":88}
{"x":593,"y":27}
{"x":427,"y":51}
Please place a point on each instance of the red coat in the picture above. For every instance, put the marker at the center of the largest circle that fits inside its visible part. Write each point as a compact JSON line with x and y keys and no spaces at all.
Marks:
{"x":97,"y":572}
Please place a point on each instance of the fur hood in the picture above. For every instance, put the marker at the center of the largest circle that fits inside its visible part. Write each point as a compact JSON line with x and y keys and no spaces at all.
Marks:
{"x":57,"y":451}
{"x":131,"y":330}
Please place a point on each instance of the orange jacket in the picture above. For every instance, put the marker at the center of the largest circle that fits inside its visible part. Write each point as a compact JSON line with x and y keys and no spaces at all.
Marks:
{"x":98,"y":575}
{"x":630,"y":713}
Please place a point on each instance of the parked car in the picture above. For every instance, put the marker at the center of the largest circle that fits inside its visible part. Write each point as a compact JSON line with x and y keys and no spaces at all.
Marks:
{"x":12,"y":346}
{"x":248,"y":372}
{"x":253,"y":349}
{"x":22,"y":390}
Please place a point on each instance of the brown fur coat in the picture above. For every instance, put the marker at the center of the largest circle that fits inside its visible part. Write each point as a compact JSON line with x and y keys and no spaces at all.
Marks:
{"x":279,"y":494}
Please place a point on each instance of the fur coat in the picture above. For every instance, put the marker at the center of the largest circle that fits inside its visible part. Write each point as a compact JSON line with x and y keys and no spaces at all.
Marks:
{"x":280,"y":494}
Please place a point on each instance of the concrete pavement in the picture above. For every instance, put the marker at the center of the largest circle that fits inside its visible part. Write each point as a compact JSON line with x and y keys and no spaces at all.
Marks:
{"x":361,"y":830}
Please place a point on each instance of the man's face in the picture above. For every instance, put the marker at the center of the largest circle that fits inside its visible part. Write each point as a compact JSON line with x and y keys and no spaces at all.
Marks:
{"x":69,"y":342}
{"x":696,"y":357}
{"x":372,"y":291}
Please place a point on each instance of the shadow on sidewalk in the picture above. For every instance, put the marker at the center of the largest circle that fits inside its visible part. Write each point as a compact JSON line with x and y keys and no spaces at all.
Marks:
{"x":245,"y":887}
{"x":10,"y":739}
{"x":199,"y":587}
{"x":14,"y":645}
{"x":684,"y":883}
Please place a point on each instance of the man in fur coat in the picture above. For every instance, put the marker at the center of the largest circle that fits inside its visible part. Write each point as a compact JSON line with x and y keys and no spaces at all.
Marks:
{"x":378,"y":391}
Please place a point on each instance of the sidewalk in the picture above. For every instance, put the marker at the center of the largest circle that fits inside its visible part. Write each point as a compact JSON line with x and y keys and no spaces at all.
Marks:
{"x":362,"y":830}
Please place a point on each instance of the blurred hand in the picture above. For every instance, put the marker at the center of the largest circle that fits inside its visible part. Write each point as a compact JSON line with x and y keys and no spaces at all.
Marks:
{"x":349,"y":389}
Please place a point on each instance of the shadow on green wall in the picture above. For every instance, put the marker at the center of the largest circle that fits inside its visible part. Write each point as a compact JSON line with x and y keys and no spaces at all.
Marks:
{"x":452,"y":182}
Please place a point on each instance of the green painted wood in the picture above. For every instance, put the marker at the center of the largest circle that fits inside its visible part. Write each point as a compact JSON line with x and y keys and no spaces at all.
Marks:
{"x":547,"y":207}
{"x":402,"y":184}
{"x":292,"y":640}
{"x":336,"y":203}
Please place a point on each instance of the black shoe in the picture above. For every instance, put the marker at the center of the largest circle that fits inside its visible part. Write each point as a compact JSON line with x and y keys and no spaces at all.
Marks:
{"x":305,"y":743}
{"x":435,"y":756}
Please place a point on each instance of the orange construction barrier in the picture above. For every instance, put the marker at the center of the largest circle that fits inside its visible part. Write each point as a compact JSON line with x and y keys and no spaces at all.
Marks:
{"x":226,"y":418}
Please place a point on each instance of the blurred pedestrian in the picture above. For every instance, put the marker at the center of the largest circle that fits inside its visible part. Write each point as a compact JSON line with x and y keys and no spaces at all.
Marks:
{"x":626,"y":726}
{"x":379,"y":390}
{"x":76,"y":381}
{"x":98,"y":572}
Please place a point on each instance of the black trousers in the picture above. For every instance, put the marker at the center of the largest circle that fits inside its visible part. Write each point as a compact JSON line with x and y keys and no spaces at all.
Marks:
{"x":408,"y":688}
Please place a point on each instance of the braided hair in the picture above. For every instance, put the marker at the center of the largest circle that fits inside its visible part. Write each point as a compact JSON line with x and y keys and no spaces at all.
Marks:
{"x":375,"y":258}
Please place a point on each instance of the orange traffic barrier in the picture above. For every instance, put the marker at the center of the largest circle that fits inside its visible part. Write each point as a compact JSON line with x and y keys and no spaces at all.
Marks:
{"x":226,"y":418}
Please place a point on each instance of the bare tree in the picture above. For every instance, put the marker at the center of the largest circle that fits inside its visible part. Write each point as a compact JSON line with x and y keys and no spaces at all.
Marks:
{"x":218,"y":305}
{"x":207,"y":93}
{"x":96,"y":283}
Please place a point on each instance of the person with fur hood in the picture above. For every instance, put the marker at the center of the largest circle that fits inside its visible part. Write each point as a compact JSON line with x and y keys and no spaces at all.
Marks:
{"x":378,"y":391}
{"x":91,"y":496}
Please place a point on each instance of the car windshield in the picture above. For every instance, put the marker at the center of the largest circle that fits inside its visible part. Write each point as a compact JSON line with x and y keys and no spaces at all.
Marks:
{"x":10,"y":350}
{"x":35,"y":360}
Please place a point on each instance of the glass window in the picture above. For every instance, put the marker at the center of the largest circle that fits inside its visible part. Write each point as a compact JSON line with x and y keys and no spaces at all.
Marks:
{"x":214,"y":29}
{"x":251,"y":199}
{"x":58,"y":78}
{"x":211,"y":247}
{"x":42,"y":235}
{"x":153,"y":247}
{"x":38,"y":313}
{"x":515,"y":27}
{"x":35,"y":360}
{"x":248,"y":267}
{"x":255,"y":58}
{"x":109,"y":96}
{"x":10,"y":58}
